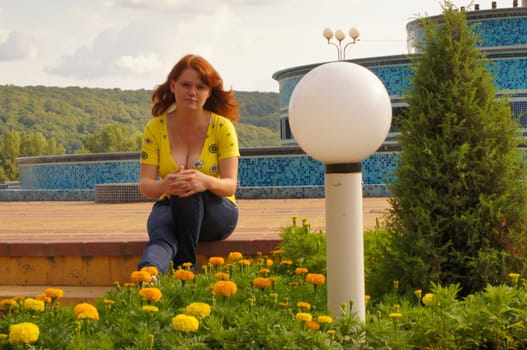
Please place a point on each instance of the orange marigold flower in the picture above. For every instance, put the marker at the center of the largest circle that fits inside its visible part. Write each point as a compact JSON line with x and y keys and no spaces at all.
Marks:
{"x":312,"y":325}
{"x":225,"y":288}
{"x":9,"y":302}
{"x":235,"y":256}
{"x":140,"y":276}
{"x":152,"y":270}
{"x":44,"y":298}
{"x":269,"y":262}
{"x":304,"y":305}
{"x":245,"y":262}
{"x":54,"y":293}
{"x":216,"y":260}
{"x":315,"y":278}
{"x":85,"y":311}
{"x":184,"y":275}
{"x":222,"y":276}
{"x":151,"y":294}
{"x":301,"y":270}
{"x":286,"y":262}
{"x":262,"y":282}
{"x":264,"y":271}
{"x":187,"y":265}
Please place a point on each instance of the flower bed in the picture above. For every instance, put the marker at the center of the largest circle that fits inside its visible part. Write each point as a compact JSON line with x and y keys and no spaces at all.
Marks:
{"x":270,"y":302}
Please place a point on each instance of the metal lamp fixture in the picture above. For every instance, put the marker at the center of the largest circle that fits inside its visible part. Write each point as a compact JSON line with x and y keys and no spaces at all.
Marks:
{"x":340,"y":36}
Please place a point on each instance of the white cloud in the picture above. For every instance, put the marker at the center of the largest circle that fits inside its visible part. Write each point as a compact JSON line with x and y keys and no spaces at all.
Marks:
{"x":18,"y":46}
{"x":140,"y":63}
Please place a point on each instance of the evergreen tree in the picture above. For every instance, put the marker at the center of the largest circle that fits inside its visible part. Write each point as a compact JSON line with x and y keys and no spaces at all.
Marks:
{"x":459,"y":198}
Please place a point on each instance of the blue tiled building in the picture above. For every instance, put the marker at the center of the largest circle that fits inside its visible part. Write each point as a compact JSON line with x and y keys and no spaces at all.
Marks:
{"x":285,"y":172}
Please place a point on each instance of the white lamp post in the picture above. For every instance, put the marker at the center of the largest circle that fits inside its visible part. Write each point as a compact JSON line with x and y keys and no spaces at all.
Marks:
{"x":340,"y":113}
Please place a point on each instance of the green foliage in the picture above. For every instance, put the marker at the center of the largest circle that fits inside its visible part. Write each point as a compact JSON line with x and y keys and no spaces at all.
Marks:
{"x":459,"y":195}
{"x":113,"y":138}
{"x":15,"y":144}
{"x":304,"y":247}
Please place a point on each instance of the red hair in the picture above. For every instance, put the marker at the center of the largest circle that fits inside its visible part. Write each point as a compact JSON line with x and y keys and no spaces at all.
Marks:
{"x":221,"y":102}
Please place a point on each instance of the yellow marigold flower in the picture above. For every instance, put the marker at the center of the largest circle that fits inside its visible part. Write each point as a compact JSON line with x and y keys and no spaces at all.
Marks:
{"x":225,"y":288}
{"x":395,"y":315}
{"x":325,"y":319}
{"x":44,"y":298}
{"x":128,"y":285}
{"x":331,"y":332}
{"x":140,"y":276}
{"x":152,"y":270}
{"x":216,"y":260}
{"x":151,"y":294}
{"x":199,"y":310}
{"x":8,"y":303}
{"x":262,"y":282}
{"x":304,"y":316}
{"x":185,"y":323}
{"x":304,"y":305}
{"x":235,"y":256}
{"x":85,"y":311}
{"x":315,"y":278}
{"x":301,"y":270}
{"x":514,"y":277}
{"x":245,"y":262}
{"x":108,"y":302}
{"x":367,"y":298}
{"x":418,"y":293}
{"x":150,"y":308}
{"x":428,"y":299}
{"x":286,"y":262}
{"x":264,"y":271}
{"x":222,"y":276}
{"x":312,"y":325}
{"x":54,"y":293}
{"x":187,"y":265}
{"x":25,"y":332}
{"x":184,"y":275}
{"x":34,"y":304}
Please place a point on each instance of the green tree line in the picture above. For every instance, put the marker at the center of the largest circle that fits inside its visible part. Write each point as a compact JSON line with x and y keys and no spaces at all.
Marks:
{"x":39,"y":120}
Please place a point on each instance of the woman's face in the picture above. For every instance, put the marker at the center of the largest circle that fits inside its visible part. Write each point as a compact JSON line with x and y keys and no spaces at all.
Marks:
{"x":190,"y":92}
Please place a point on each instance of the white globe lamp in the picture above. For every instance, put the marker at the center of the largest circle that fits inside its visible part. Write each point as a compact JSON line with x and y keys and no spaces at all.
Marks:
{"x":340,"y":113}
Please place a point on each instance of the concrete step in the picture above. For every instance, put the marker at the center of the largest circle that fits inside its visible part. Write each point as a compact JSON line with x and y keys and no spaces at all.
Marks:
{"x":72,"y":295}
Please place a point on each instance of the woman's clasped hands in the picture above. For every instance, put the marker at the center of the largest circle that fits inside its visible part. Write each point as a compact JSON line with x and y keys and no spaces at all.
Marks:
{"x":184,"y":182}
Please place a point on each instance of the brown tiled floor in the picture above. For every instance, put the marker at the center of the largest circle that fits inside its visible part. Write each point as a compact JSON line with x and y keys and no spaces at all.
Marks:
{"x":90,"y":221}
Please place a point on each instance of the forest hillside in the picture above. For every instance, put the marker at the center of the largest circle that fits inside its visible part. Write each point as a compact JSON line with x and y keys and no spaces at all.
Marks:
{"x":76,"y":117}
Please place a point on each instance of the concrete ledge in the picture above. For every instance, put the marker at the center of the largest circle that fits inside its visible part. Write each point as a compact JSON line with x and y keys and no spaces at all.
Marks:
{"x":73,"y":263}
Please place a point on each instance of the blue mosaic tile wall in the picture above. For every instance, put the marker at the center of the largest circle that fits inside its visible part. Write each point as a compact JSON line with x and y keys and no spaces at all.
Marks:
{"x":504,"y":27}
{"x":66,"y":176}
{"x":292,"y":176}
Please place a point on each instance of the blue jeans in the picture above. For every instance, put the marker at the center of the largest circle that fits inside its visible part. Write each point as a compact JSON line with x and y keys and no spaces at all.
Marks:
{"x":176,"y":225}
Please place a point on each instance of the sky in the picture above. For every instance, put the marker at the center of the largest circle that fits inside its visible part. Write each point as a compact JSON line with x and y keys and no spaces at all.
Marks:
{"x":133,"y":44}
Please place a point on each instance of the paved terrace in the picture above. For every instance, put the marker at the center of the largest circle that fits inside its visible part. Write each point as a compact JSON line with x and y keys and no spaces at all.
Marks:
{"x":84,"y":246}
